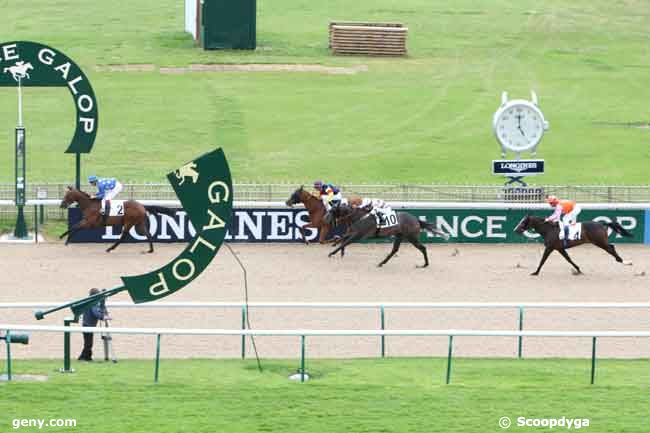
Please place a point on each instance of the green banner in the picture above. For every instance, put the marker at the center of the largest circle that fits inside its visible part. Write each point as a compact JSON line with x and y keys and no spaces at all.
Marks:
{"x":36,"y":65}
{"x":204,"y":187}
{"x":497,"y":225}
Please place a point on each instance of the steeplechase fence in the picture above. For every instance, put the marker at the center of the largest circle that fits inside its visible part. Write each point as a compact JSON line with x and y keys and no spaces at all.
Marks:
{"x":382,"y":332}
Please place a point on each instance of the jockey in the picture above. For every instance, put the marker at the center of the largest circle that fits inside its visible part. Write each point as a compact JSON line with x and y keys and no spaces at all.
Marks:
{"x":107,"y":189}
{"x":565,"y":214}
{"x":330,"y":194}
{"x":378,"y":208}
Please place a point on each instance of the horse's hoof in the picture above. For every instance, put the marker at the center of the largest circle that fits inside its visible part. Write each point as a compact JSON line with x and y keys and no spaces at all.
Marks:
{"x":421,"y":267}
{"x":534,"y":274}
{"x":578,"y":272}
{"x":627,"y":263}
{"x":109,"y":250}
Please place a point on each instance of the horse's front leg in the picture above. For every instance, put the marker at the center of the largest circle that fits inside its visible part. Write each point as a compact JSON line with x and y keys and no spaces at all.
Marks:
{"x":547,"y":252}
{"x":74,"y":229}
{"x":125,"y":230}
{"x":302,"y":232}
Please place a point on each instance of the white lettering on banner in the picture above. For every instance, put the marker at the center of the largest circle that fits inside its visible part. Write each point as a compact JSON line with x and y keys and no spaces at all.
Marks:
{"x":9,"y":52}
{"x":85,"y":103}
{"x":89,"y":124}
{"x":443,"y":225}
{"x":190,"y":266}
{"x":162,"y":283}
{"x":492,"y":225}
{"x":464,"y":229}
{"x":64,"y":69}
{"x":215,"y":221}
{"x":46,"y":56}
{"x":301,"y":219}
{"x":279,"y":222}
{"x":167,"y":221}
{"x":255,"y":227}
{"x":200,"y":240}
{"x":71,"y":85}
{"x":215,"y":196}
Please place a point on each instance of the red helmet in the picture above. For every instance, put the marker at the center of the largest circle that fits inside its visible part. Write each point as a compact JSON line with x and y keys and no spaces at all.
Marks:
{"x":552,"y":200}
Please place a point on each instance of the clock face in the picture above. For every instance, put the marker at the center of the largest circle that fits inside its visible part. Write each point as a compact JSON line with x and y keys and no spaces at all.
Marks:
{"x":519,"y":127}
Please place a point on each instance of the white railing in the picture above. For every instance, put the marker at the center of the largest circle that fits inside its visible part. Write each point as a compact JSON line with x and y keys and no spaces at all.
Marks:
{"x":381,"y":307}
{"x":303,"y":333}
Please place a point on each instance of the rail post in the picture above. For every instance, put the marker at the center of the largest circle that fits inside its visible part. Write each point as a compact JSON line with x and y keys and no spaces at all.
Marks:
{"x":302,"y":358}
{"x":449,"y":355}
{"x":593,"y":360}
{"x":66,"y":347}
{"x":521,"y":328}
{"x":382,"y":315}
{"x":243,"y":336}
{"x":157,"y":369}
{"x":8,"y":341}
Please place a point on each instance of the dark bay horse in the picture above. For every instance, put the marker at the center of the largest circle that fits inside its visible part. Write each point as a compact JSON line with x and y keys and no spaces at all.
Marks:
{"x":592,"y":232}
{"x":363,"y":226}
{"x":317,"y":213}
{"x":135,"y":215}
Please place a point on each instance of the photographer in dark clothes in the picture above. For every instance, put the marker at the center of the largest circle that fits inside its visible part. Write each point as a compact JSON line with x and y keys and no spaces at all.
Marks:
{"x":90,"y":318}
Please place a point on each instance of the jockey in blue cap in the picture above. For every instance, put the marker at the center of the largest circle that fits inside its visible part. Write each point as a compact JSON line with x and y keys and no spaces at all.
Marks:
{"x":330,"y":194}
{"x":107,"y":189}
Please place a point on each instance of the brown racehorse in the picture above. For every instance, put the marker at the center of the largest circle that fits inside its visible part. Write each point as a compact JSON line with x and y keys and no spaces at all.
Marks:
{"x":363,"y":226}
{"x":317,"y":213}
{"x":592,"y":232}
{"x":135,"y":215}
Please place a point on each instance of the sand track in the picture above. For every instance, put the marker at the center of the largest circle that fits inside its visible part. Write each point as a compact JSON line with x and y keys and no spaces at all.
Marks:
{"x":478,"y":273}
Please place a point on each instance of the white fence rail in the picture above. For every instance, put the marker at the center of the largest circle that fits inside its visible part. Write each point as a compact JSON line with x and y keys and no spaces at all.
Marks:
{"x":304,"y":333}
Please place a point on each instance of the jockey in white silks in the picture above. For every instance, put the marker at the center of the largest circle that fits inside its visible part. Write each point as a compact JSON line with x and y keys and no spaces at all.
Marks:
{"x":378,"y":208}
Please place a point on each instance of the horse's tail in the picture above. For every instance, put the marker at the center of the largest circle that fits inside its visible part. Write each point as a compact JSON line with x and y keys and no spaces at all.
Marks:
{"x":160,"y":209}
{"x":619,"y":229}
{"x":433,"y":229}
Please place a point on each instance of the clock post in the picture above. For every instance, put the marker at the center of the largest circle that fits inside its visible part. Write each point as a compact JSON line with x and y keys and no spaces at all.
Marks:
{"x":518,"y":127}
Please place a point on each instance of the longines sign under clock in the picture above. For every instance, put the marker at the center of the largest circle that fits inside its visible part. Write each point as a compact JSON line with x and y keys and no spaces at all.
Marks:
{"x":522,"y":167}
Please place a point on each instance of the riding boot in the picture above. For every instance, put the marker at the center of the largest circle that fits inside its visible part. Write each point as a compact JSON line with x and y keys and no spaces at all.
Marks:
{"x":107,"y":209}
{"x":566,"y":236}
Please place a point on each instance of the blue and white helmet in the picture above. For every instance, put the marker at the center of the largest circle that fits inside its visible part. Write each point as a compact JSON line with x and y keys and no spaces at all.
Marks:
{"x":92,"y":179}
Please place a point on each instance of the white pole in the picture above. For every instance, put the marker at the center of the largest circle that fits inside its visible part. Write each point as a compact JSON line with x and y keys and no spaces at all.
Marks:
{"x":20,"y":103}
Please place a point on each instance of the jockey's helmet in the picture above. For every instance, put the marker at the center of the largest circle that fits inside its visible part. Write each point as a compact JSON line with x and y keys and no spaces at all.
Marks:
{"x":318,"y":184}
{"x":92,"y":179}
{"x":552,"y":200}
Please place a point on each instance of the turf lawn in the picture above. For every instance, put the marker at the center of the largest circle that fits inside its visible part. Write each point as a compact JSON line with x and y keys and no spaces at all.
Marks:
{"x":393,"y":395}
{"x":425,"y":118}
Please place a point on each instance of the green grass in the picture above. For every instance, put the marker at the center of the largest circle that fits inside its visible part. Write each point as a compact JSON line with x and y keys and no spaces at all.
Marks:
{"x":425,"y":118}
{"x":393,"y":395}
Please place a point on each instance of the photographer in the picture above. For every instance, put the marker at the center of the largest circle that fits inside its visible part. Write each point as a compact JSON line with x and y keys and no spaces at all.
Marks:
{"x":90,"y":318}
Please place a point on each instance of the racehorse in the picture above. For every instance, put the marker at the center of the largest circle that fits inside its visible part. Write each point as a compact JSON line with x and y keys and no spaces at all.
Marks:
{"x":592,"y":232}
{"x":135,"y":215}
{"x":363,"y":225}
{"x":317,"y":213}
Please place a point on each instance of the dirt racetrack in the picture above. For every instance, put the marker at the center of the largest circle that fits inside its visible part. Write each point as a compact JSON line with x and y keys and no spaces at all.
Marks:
{"x":459,"y":272}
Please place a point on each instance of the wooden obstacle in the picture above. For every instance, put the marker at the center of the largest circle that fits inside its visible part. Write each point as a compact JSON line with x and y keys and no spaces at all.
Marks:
{"x":368,"y":39}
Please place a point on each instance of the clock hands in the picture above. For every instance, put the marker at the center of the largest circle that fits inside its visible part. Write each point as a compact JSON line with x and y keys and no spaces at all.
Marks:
{"x":519,"y":116}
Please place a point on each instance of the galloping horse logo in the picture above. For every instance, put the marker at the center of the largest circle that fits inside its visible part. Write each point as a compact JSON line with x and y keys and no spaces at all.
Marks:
{"x":188,"y":170}
{"x":19,"y":70}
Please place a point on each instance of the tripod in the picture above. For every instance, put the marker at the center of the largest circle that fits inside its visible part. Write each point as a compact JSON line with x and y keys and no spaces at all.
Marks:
{"x":107,"y":338}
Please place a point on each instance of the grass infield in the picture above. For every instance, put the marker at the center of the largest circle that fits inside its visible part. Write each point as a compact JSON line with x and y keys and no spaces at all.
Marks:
{"x":362,"y":395}
{"x":425,"y":118}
